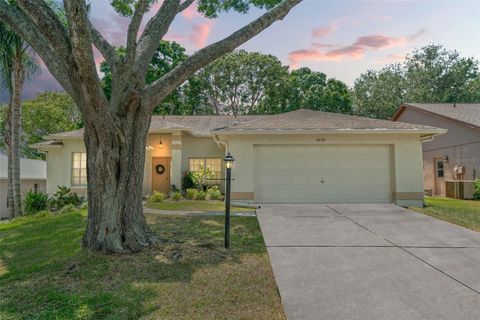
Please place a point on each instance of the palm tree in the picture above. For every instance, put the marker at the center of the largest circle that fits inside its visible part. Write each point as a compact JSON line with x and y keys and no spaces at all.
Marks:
{"x":17,"y":65}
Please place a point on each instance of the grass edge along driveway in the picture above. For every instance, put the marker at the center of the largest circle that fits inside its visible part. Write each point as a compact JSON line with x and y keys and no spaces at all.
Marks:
{"x":465,"y":213}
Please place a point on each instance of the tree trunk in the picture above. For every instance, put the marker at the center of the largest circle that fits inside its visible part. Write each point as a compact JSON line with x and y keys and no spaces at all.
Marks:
{"x":16,"y":110}
{"x":115,"y":166}
{"x":8,"y":142}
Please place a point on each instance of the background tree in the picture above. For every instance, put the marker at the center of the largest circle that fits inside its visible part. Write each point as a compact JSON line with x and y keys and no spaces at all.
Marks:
{"x":116,"y":128}
{"x":431,"y":74}
{"x":377,"y":94}
{"x":16,"y":66}
{"x":239,"y":82}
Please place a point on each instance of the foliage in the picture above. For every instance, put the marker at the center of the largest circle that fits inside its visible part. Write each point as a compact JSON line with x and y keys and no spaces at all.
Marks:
{"x":240,"y":81}
{"x":176,"y":196}
{"x":431,"y":74}
{"x":201,"y":195}
{"x":174,"y":188}
{"x":67,"y":209}
{"x":213,"y":193}
{"x":202,"y":178}
{"x":188,"y":180}
{"x":167,"y":56}
{"x":191,"y":194}
{"x":34,"y":202}
{"x":157,"y":197}
{"x":476,"y":184}
{"x":63,"y":197}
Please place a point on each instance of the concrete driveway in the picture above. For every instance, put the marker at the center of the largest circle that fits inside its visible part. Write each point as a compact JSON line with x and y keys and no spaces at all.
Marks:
{"x":371,"y":261}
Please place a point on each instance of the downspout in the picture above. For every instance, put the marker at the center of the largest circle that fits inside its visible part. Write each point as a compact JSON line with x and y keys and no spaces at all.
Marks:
{"x":427,"y":138}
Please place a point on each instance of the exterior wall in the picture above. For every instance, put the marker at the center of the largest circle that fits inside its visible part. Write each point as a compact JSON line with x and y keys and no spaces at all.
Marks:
{"x":407,"y":170}
{"x":59,"y":166}
{"x":179,"y":147}
{"x":461,"y":144}
{"x":26,"y":185}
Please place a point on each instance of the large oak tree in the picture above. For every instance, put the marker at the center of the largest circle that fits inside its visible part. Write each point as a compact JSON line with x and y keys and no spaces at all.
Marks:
{"x":116,"y":128}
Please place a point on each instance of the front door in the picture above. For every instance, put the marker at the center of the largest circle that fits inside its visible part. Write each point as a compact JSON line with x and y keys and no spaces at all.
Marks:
{"x":439,"y":177}
{"x":161,"y":174}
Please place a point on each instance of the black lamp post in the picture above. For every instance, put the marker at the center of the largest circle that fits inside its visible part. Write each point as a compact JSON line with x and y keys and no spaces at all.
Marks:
{"x":228,"y":165}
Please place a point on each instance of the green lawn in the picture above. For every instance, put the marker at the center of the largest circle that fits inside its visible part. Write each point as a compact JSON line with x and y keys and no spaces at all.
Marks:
{"x":465,"y":213}
{"x":44,"y":273}
{"x":192,"y":205}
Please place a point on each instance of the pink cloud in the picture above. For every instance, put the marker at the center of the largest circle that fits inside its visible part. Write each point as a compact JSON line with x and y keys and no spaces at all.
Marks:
{"x":325,"y":31}
{"x":200,"y":33}
{"x":191,"y":12}
{"x":354,"y":51}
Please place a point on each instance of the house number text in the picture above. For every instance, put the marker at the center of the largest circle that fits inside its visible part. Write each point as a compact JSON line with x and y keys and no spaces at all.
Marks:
{"x":321,"y":139}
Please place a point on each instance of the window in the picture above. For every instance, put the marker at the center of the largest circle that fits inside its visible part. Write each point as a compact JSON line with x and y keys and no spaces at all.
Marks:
{"x":440,"y":169}
{"x":213,"y":165}
{"x":79,"y":169}
{"x":35,"y":187}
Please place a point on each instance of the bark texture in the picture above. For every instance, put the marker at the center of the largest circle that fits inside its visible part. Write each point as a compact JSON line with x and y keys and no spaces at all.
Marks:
{"x":16,"y":125}
{"x":116,"y":129}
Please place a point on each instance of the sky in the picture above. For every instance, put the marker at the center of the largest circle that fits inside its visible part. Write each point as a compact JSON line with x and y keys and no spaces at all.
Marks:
{"x":340,"y":38}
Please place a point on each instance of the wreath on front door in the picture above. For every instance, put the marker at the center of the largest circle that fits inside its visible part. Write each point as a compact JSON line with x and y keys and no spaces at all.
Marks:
{"x":160,"y":169}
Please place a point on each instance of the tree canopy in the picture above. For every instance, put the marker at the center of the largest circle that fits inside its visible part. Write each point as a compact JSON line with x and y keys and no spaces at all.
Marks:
{"x":431,"y":74}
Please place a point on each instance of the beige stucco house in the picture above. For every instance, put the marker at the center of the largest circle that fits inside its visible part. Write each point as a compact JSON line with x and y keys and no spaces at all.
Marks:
{"x":33,"y":175}
{"x":300,"y":156}
{"x":454,"y":155}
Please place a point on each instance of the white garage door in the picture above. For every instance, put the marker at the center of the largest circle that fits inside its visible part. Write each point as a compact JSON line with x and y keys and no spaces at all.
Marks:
{"x":322,"y":173}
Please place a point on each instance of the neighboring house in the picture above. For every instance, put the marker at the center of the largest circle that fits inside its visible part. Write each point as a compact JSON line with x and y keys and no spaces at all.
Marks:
{"x":300,"y":156}
{"x":33,"y":175}
{"x":452,"y":156}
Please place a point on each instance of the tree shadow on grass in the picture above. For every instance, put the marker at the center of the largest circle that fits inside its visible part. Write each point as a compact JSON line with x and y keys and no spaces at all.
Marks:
{"x":45,"y":274}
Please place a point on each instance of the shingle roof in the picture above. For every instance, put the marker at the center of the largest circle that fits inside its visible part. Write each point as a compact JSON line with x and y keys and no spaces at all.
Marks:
{"x":298,"y":120}
{"x":310,"y":120}
{"x":468,"y":113}
{"x":29,"y":168}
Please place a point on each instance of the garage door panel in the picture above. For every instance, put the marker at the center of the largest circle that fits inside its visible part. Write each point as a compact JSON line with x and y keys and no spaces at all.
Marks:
{"x":349,"y":173}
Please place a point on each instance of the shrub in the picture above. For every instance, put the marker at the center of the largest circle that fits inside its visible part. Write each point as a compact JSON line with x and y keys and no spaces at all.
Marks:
{"x":201,"y":195}
{"x":476,"y":186}
{"x":157,"y":197}
{"x":63,"y":197}
{"x":188,"y":180}
{"x":176,"y":196}
{"x":35,"y":202}
{"x":213,"y":193}
{"x":191,"y":194}
{"x":202,"y":178}
{"x":174,"y":188}
{"x":66,"y":209}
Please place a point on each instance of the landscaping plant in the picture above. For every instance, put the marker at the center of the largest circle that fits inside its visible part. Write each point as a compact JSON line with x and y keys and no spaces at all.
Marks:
{"x":35,"y":202}
{"x":176,"y":196}
{"x":476,"y":192}
{"x":188,"y":181}
{"x":213,"y":193}
{"x":63,"y":197}
{"x":191,"y":194}
{"x":157,"y":196}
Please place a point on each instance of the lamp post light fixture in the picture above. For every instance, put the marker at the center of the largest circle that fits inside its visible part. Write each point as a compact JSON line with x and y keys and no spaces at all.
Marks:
{"x":228,"y":165}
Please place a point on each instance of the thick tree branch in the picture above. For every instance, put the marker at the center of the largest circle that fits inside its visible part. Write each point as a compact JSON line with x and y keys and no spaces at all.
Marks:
{"x":133,"y":27}
{"x":185,"y":4}
{"x":25,"y":28}
{"x":85,"y":72}
{"x":162,"y":87}
{"x":48,"y":24}
{"x":106,"y":49}
{"x":154,"y":31}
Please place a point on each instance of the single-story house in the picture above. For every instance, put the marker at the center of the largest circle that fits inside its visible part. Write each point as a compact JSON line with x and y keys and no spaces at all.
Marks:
{"x":33,"y":175}
{"x":299,"y":156}
{"x":454,"y":155}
